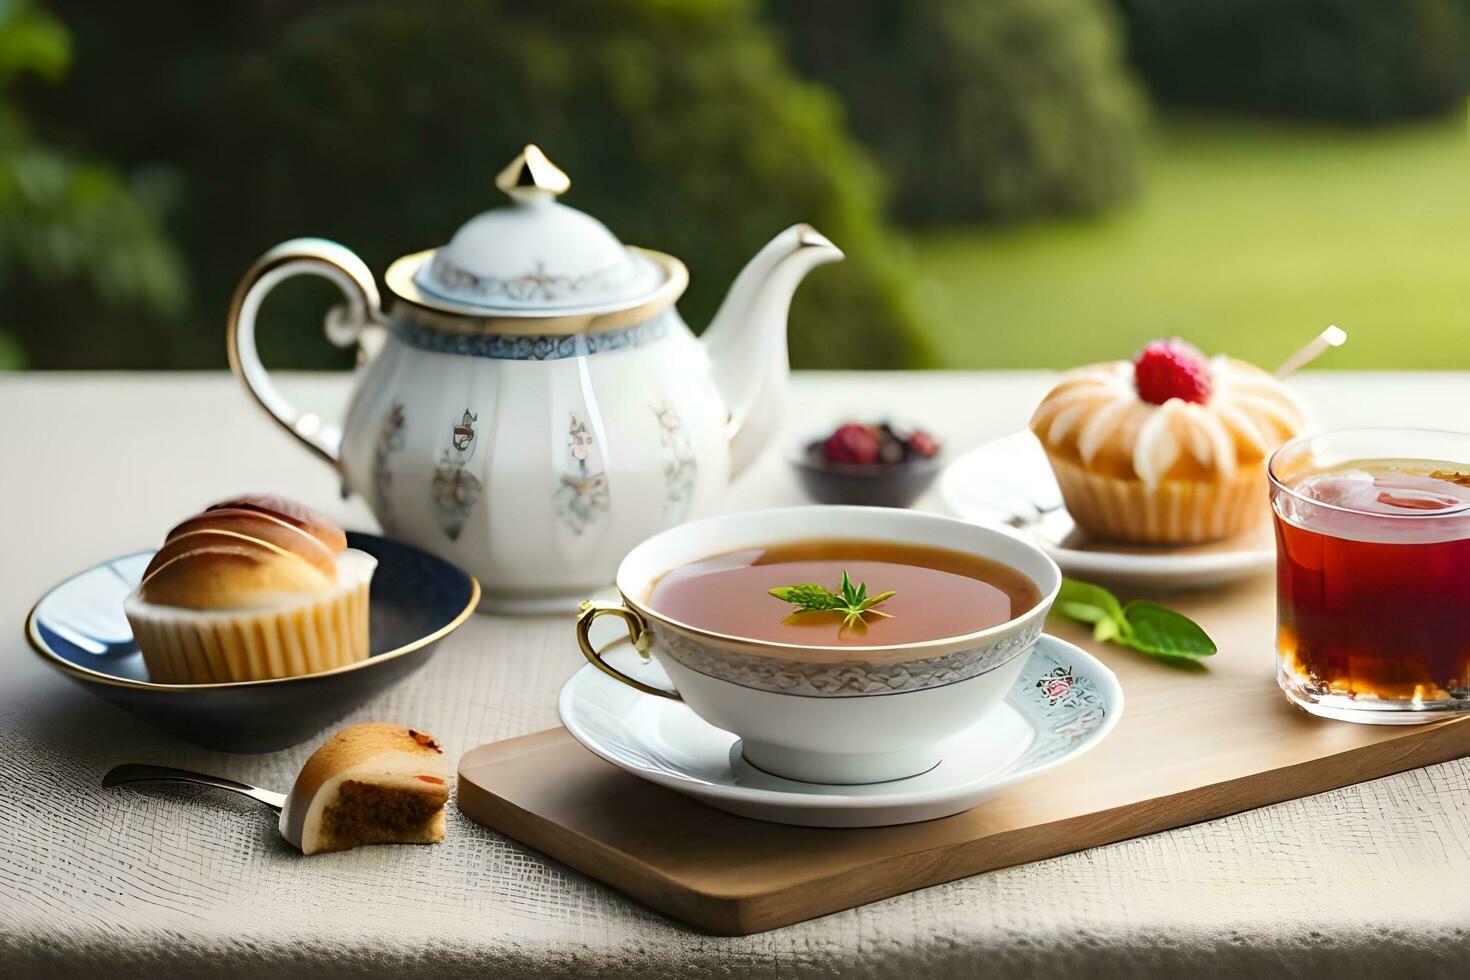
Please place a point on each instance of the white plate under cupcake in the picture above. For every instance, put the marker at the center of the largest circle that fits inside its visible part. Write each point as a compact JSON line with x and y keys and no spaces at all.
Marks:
{"x":1008,"y":482}
{"x":1062,"y":703}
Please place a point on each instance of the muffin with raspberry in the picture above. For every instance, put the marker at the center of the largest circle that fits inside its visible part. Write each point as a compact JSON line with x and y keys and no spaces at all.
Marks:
{"x":1169,"y":448}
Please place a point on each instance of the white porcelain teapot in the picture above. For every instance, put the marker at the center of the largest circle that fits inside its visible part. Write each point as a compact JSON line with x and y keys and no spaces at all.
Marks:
{"x":538,"y":407}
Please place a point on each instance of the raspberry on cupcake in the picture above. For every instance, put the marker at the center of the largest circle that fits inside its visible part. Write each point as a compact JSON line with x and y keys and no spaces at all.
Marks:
{"x":1169,"y":448}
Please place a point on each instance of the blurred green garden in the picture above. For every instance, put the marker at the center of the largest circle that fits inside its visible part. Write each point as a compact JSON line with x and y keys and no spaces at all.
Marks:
{"x":1017,"y":183}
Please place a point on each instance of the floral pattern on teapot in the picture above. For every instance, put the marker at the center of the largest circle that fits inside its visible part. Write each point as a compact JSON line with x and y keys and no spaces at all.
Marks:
{"x":581,"y":497}
{"x":681,"y":467}
{"x":537,"y":285}
{"x":390,"y":442}
{"x":454,"y":490}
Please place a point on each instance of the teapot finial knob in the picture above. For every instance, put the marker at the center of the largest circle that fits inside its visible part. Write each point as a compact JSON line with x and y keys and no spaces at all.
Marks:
{"x":532,"y":175}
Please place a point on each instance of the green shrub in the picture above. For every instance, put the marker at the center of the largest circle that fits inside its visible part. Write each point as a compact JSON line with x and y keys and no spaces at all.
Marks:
{"x":383,"y":124}
{"x":67,"y":220}
{"x":979,"y":108}
{"x":1357,"y":60}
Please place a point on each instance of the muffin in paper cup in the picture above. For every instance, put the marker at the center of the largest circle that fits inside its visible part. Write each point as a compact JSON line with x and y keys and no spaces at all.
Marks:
{"x":188,"y":646}
{"x":252,"y":589}
{"x":1167,"y":449}
{"x":1175,"y":512}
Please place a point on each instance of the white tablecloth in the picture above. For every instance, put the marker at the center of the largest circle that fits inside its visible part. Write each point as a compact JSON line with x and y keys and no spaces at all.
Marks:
{"x":1364,"y":881}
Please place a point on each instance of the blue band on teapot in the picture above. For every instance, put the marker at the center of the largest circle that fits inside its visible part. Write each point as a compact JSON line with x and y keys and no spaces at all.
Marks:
{"x":536,"y":347}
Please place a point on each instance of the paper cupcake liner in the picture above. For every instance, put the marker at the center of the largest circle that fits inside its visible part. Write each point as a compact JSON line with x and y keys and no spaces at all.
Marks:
{"x":1175,"y":512}
{"x":185,"y":646}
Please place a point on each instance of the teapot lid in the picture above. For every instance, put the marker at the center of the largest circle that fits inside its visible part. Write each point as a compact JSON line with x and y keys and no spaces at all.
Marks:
{"x":535,"y":257}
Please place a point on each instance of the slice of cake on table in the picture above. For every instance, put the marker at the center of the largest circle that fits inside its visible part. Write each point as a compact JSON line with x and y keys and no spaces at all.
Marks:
{"x":369,"y":784}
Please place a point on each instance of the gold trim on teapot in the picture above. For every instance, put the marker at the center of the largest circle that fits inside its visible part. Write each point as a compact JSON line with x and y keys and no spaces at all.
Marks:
{"x":447,"y":316}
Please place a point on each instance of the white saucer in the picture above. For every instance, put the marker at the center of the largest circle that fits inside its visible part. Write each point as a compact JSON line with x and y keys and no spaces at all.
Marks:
{"x":1008,"y":481}
{"x":1064,"y":702}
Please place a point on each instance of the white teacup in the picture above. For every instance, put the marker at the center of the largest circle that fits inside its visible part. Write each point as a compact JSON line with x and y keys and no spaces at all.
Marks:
{"x":828,"y":714}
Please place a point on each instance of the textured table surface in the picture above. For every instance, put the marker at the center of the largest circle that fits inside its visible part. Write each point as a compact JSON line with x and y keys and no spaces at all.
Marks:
{"x":1364,"y":881}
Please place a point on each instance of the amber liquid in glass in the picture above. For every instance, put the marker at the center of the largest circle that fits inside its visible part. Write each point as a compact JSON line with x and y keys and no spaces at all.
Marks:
{"x":1375,"y":608}
{"x":939,"y":593}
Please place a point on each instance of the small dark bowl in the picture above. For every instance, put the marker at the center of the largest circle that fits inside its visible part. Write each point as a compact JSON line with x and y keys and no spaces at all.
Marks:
{"x":416,"y":600}
{"x":876,"y":485}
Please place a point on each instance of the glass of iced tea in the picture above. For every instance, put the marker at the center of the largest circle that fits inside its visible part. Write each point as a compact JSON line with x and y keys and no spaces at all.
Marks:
{"x":1373,"y":574}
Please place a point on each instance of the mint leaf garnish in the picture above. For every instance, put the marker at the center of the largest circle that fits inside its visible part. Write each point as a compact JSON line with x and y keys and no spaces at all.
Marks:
{"x":1163,"y":632}
{"x":808,"y":597}
{"x":852,"y":601}
{"x":1145,"y":626}
{"x":1087,"y":603}
{"x":1107,"y":629}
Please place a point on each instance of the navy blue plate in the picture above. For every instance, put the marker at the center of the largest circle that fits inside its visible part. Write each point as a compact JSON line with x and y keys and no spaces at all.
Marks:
{"x":416,"y":600}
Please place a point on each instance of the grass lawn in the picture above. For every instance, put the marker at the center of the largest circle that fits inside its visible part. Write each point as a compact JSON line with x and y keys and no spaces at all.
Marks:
{"x":1249,"y":238}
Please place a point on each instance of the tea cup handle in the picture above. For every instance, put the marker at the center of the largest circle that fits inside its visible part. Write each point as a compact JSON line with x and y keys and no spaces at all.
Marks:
{"x":344,"y":326}
{"x":638,"y":633}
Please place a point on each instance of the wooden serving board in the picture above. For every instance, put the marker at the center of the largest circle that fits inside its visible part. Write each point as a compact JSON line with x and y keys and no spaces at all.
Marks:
{"x":1193,"y":744}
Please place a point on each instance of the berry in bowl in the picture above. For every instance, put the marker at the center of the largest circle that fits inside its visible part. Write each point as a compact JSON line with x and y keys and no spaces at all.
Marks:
{"x":881,"y":465}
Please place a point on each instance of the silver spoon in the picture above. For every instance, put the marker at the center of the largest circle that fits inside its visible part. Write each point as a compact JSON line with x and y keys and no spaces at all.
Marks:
{"x":135,"y":772}
{"x":1333,"y":336}
{"x":1022,"y":522}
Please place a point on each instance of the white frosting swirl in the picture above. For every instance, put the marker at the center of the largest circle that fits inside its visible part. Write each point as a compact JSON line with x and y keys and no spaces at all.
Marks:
{"x":1095,"y":411}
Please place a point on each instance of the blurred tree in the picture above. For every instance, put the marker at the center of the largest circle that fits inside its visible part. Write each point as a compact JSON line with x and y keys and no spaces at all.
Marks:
{"x":65,"y":219}
{"x":382,"y":124}
{"x":980,"y":108}
{"x":1357,"y":60}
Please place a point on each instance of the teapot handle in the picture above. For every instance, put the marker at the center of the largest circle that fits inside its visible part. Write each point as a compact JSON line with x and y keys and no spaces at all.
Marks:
{"x":343,"y":327}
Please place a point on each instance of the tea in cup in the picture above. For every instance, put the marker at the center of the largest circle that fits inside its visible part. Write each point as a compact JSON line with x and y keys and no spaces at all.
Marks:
{"x":841,"y":644}
{"x":1373,"y":574}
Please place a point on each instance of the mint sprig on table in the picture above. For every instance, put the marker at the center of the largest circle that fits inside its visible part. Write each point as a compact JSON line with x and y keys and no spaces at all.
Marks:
{"x":853,"y":602}
{"x":1145,"y":626}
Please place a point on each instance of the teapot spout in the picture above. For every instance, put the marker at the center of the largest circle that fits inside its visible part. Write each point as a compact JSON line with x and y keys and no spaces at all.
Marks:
{"x":746,"y":341}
